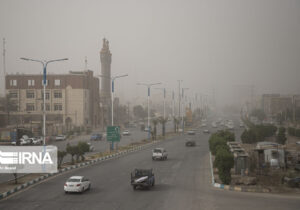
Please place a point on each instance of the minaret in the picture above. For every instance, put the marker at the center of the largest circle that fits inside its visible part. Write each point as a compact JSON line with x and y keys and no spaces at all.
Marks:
{"x":105,"y":57}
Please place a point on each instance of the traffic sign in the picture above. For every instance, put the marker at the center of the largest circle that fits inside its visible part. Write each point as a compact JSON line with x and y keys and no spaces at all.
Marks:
{"x":113,"y":133}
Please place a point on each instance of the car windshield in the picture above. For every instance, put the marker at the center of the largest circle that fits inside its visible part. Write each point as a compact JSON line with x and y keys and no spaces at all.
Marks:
{"x":157,"y":150}
{"x":139,"y":173}
{"x":73,"y":180}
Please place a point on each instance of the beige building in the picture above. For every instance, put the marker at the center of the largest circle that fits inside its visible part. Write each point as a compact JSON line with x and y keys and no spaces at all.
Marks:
{"x":71,"y":99}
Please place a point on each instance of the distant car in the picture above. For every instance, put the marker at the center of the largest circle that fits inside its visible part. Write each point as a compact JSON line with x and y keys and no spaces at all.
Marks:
{"x":180,"y":130}
{"x":241,"y":125}
{"x":191,"y":132}
{"x":142,"y":178}
{"x":77,"y":184}
{"x":147,"y":129}
{"x":206,"y":131}
{"x":60,"y":138}
{"x":159,"y":153}
{"x":91,"y":147}
{"x":126,"y":133}
{"x":203,"y":125}
{"x":96,"y":136}
{"x":190,"y":143}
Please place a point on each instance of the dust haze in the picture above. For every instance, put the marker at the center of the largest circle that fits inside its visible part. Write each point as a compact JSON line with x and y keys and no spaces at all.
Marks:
{"x":215,"y":47}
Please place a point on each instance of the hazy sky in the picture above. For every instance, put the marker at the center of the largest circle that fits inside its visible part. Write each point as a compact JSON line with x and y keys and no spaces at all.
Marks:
{"x":206,"y":43}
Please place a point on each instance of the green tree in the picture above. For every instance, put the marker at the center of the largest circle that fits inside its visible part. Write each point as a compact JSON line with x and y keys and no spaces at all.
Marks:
{"x":163,"y":122}
{"x":60,"y":157}
{"x":281,"y":138}
{"x":259,"y":113}
{"x":72,"y":150}
{"x":224,"y":164}
{"x":83,"y":147}
{"x":154,"y":122}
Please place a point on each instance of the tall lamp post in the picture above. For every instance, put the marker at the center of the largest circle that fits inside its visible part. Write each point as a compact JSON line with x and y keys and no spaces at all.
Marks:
{"x":112,"y":93}
{"x":183,"y":106}
{"x":44,"y":63}
{"x":148,"y":99}
{"x":164,"y":91}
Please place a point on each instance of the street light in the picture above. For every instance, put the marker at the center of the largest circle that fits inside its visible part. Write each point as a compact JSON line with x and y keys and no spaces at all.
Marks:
{"x":44,"y":63}
{"x":148,"y":98}
{"x":164,"y":91}
{"x":112,"y":93}
{"x":183,"y":114}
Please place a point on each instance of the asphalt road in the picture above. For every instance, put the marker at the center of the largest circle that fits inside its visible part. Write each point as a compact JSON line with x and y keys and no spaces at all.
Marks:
{"x":182,"y":182}
{"x":99,"y":146}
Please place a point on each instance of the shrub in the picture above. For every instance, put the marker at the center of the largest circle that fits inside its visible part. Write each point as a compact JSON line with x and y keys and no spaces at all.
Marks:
{"x":248,"y":137}
{"x":224,"y":162}
{"x":297,"y":132}
{"x":227,"y":135}
{"x":220,"y":150}
{"x":215,"y":141}
{"x":281,"y":136}
{"x":291,"y":131}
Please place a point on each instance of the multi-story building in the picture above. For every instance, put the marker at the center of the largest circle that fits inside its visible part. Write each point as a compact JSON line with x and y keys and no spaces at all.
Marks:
{"x":273,"y":104}
{"x":71,"y":99}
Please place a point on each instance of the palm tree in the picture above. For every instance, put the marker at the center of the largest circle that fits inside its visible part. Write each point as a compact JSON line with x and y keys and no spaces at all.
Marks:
{"x":154,"y":122}
{"x":175,"y":122}
{"x":163,"y":122}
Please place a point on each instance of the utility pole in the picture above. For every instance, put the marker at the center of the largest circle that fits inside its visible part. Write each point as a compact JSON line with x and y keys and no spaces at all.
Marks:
{"x":4,"y":67}
{"x":179,"y":97}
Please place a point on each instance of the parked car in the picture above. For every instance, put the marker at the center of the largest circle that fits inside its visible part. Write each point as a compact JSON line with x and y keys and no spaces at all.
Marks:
{"x":96,"y":136}
{"x":190,"y":143}
{"x":206,"y":131}
{"x":142,"y":178}
{"x":77,"y":184}
{"x":159,"y":153}
{"x":60,"y":138}
{"x":22,"y":142}
{"x":191,"y":132}
{"x":126,"y":133}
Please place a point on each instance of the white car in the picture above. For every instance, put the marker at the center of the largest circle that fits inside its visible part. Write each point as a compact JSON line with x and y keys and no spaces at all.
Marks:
{"x":77,"y":184}
{"x":159,"y":153}
{"x":22,"y":142}
{"x":206,"y":131}
{"x":191,"y":132}
{"x":126,"y":133}
{"x":60,"y":138}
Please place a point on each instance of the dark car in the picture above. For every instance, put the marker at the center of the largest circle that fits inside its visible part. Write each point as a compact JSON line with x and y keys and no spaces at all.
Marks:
{"x":142,"y":178}
{"x":190,"y":143}
{"x":96,"y":136}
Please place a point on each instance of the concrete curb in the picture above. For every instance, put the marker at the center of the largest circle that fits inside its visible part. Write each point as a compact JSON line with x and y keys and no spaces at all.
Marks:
{"x":233,"y":187}
{"x":79,"y":165}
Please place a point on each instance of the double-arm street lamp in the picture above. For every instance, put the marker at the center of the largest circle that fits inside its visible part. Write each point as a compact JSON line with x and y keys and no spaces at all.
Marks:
{"x":44,"y":63}
{"x":149,"y":85}
{"x":112,"y":93}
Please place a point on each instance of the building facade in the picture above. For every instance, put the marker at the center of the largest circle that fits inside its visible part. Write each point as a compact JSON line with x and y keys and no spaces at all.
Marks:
{"x":273,"y":104}
{"x":71,"y":99}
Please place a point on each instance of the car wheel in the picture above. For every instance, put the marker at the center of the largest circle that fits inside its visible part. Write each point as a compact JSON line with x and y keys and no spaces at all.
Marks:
{"x":152,"y":158}
{"x":66,"y":192}
{"x":82,"y":189}
{"x":89,"y":187}
{"x":153,"y":183}
{"x":133,"y":187}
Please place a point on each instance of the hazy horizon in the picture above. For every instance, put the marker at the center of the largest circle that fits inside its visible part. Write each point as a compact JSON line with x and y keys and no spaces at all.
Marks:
{"x":220,"y":45}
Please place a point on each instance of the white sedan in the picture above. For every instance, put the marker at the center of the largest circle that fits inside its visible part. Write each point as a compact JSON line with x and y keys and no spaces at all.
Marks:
{"x":126,"y":133}
{"x":77,"y":184}
{"x":60,"y":138}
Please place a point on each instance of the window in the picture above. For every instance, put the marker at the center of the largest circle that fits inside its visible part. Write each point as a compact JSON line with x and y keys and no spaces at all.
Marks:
{"x":57,"y":82}
{"x":13,"y":82}
{"x":29,"y":107}
{"x":47,"y":95}
{"x":47,"y":107}
{"x":57,"y":107}
{"x":13,"y":94}
{"x":29,"y":94}
{"x":30,"y":82}
{"x":57,"y":94}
